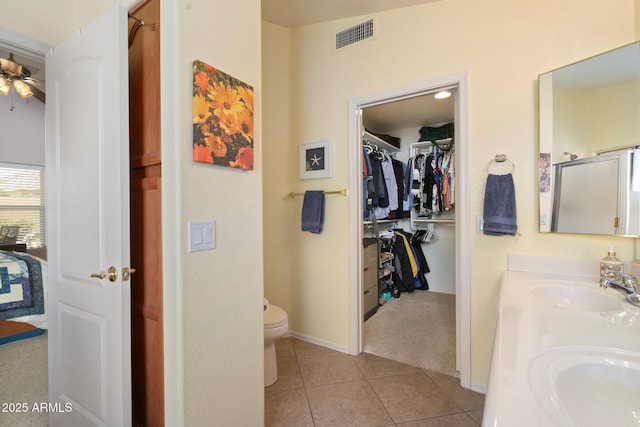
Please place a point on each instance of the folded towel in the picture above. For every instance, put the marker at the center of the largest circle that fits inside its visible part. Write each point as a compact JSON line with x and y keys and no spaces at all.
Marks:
{"x":500,"y":206}
{"x":313,"y":211}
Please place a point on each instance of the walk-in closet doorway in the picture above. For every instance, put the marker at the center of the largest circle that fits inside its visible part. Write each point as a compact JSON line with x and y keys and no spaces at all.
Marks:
{"x":458,"y":85}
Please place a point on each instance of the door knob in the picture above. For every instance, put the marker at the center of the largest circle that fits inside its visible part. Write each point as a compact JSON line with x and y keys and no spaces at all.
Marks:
{"x":111,"y":274}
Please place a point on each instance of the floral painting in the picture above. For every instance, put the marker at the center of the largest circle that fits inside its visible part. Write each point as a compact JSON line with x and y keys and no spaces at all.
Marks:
{"x":222,"y":118}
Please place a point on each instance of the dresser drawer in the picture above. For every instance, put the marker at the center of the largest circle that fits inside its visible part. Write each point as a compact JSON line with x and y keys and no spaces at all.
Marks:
{"x":370,"y":299}
{"x":370,"y":254}
{"x":369,"y":277}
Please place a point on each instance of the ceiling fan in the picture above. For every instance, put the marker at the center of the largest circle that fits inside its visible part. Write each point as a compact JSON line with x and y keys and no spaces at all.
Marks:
{"x":12,"y":73}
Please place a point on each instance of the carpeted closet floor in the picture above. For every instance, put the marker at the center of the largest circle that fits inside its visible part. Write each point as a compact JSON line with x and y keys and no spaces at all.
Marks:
{"x":418,"y":329}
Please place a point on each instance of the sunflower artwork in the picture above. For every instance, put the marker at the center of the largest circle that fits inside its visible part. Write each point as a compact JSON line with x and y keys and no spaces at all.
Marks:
{"x":222,"y":118}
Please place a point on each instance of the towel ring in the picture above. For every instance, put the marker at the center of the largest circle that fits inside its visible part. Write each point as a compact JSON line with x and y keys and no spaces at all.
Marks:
{"x":500,"y":158}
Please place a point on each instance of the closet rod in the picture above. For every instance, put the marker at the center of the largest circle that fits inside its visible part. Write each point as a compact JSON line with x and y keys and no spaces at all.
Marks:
{"x":342,"y":192}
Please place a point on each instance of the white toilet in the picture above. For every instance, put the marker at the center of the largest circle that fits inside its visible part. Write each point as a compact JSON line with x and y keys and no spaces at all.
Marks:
{"x":275,"y":327}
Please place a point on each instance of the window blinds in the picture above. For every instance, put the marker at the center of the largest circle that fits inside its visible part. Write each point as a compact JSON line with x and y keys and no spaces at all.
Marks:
{"x":22,"y":201}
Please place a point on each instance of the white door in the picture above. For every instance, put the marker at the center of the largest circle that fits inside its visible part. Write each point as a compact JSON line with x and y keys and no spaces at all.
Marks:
{"x":87,"y":185}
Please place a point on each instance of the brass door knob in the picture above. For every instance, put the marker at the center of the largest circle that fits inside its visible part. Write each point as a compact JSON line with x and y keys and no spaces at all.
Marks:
{"x":111,"y":274}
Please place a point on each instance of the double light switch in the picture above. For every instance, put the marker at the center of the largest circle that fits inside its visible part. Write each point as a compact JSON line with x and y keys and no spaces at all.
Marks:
{"x":202,"y":235}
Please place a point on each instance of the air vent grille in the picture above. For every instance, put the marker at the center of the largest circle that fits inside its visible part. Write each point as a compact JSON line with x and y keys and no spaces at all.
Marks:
{"x":354,"y":34}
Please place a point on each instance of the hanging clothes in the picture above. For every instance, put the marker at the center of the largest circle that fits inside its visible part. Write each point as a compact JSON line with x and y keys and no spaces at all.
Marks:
{"x":380,"y":197}
{"x":433,"y":181}
{"x":408,"y":183}
{"x":391,"y":188}
{"x":368,"y":189}
{"x":416,"y":183}
{"x":383,"y":184}
{"x":409,"y":262}
{"x":403,"y":270}
{"x":399,"y":173}
{"x":420,"y":282}
{"x":390,"y":182}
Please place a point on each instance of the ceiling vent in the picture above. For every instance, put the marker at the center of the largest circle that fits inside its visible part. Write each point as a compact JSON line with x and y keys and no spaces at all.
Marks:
{"x":354,"y":34}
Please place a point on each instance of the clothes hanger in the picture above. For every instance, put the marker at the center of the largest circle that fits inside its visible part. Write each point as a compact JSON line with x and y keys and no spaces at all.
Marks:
{"x":368,"y":148}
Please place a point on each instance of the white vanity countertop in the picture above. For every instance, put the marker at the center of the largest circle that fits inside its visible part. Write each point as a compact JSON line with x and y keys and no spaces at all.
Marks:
{"x":540,"y":312}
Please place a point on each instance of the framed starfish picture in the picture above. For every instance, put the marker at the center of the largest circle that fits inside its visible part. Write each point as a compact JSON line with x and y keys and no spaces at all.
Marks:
{"x":315,"y":159}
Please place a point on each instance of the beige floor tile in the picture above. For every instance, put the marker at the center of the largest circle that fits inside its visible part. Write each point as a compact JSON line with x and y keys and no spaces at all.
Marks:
{"x":467,"y":399}
{"x":305,"y":349}
{"x":350,"y":404}
{"x":287,"y":408}
{"x":318,"y":386}
{"x":284,"y":347}
{"x":376,"y":367}
{"x":413,"y":397}
{"x":289,"y":376}
{"x":455,"y":420}
{"x":476,"y":416}
{"x":328,"y":368}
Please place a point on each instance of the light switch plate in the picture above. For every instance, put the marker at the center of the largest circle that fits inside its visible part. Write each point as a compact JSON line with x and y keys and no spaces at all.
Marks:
{"x":202,"y":235}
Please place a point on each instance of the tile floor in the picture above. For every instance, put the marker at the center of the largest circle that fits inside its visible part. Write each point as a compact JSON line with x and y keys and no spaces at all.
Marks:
{"x":320,"y":387}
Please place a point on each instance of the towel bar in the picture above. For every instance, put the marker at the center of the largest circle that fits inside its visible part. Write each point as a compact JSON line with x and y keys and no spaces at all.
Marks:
{"x":342,"y":192}
{"x":501,"y":158}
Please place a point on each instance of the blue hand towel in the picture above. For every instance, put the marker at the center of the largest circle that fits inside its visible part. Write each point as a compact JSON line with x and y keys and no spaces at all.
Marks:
{"x":500,"y":206}
{"x":313,"y":211}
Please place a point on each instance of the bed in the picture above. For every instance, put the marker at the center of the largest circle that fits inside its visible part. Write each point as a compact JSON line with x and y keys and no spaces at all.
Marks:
{"x":23,"y":280}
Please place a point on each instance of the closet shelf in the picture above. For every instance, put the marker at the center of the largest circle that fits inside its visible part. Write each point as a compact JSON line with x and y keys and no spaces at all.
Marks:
{"x":384,"y":272}
{"x":445,"y":141}
{"x":385,"y":257}
{"x":380,"y":221}
{"x":416,"y":147}
{"x":428,"y":220}
{"x":372,"y":139}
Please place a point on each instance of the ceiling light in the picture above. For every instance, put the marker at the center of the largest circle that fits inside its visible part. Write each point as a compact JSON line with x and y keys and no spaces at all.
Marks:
{"x":5,"y":86}
{"x":10,"y":67}
{"x":442,"y":94}
{"x":22,"y":88}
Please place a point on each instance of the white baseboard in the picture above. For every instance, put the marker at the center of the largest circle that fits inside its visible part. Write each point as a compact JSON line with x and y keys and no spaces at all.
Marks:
{"x":479,"y":388}
{"x":321,"y":343}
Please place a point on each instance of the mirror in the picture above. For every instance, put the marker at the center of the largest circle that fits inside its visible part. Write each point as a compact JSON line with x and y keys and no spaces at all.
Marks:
{"x":591,"y":109}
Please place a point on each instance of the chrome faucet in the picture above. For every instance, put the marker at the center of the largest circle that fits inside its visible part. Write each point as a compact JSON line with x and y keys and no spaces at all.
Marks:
{"x":629,"y":287}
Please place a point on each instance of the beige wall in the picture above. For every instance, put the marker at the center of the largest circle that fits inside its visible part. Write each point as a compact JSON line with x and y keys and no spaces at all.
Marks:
{"x":504,"y":47}
{"x":52,"y":22}
{"x":637,"y":18}
{"x":614,"y":116}
{"x":570,"y":132}
{"x":213,"y":299}
{"x":279,"y":170}
{"x":222,"y":289}
{"x":588,"y":121}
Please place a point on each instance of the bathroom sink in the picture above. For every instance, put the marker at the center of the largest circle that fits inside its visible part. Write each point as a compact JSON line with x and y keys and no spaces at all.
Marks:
{"x":588,"y":386}
{"x":576,"y":296}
